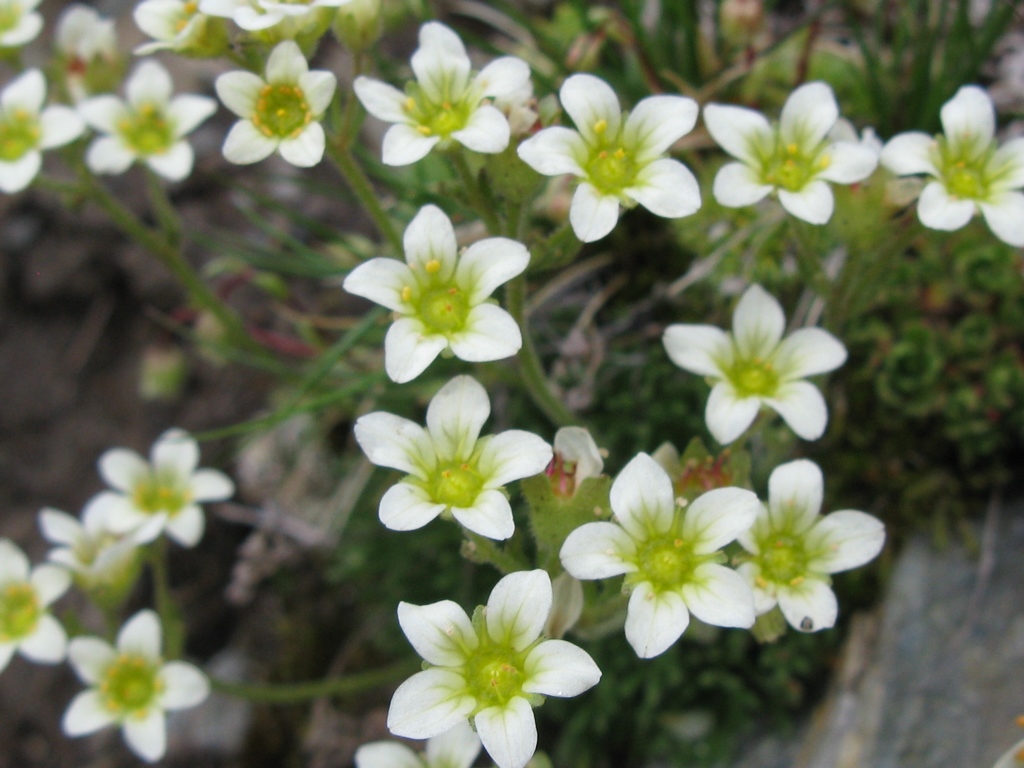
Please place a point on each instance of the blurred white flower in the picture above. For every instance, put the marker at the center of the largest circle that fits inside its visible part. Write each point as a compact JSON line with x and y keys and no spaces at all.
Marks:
{"x":19,"y":22}
{"x":576,"y":458}
{"x":97,"y":558}
{"x":256,"y":15}
{"x":174,"y":25}
{"x":84,"y":41}
{"x":455,"y":748}
{"x":25,"y":594}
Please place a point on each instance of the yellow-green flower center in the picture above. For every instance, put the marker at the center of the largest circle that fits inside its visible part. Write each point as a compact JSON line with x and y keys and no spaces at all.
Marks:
{"x":19,"y":611}
{"x":456,"y":485}
{"x":437,"y":118}
{"x":667,"y":562}
{"x":10,"y":15}
{"x":783,"y":559}
{"x":19,"y":133}
{"x":966,"y":168}
{"x":147,"y":130}
{"x":494,"y":675}
{"x":130,"y":686}
{"x":754,"y":378}
{"x":610,"y":167}
{"x":155,"y":494}
{"x":792,"y":166}
{"x":282,"y":111}
{"x":442,"y":307}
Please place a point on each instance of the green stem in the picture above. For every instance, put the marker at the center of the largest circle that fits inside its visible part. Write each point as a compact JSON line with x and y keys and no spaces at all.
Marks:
{"x":530,"y":370}
{"x":170,"y":617}
{"x":480,"y":549}
{"x":480,"y":201}
{"x":292,"y":693}
{"x":363,"y":190}
{"x":163,"y":209}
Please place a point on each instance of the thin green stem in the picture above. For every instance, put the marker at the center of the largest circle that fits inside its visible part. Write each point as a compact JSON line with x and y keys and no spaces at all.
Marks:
{"x":363,"y":190}
{"x":170,"y":617}
{"x":163,"y":209}
{"x":293,"y":693}
{"x":531,"y":371}
{"x":477,"y":198}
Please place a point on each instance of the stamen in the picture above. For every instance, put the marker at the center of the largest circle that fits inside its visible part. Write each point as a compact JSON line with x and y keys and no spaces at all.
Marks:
{"x":600,"y":126}
{"x":433,"y":266}
{"x":406,"y":293}
{"x":424,"y":130}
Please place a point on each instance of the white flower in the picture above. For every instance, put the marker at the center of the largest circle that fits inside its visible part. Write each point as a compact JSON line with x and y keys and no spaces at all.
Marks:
{"x":441,"y":297}
{"x":669,"y":554}
{"x":444,"y":102}
{"x":970,"y":171}
{"x":280,"y":114}
{"x":619,"y":158}
{"x":26,"y":129}
{"x":793,"y":158}
{"x":577,"y":457}
{"x":98,"y":558}
{"x":492,"y":669}
{"x":754,"y":366}
{"x":87,"y":53}
{"x":161,"y":494}
{"x":256,"y":15}
{"x":794,"y":549}
{"x":19,"y":22}
{"x":132,"y":686}
{"x":174,"y":25}
{"x":150,"y":126}
{"x":455,"y":748}
{"x":452,"y":471}
{"x":25,"y":625}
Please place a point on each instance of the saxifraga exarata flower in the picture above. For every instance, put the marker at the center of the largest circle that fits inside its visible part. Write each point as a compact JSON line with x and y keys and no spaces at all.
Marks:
{"x":25,"y":594}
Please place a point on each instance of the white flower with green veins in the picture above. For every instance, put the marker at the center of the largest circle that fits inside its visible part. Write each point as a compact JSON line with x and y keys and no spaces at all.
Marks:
{"x":451,"y":470}
{"x":969,"y":170}
{"x":793,"y":549}
{"x":670,"y":555}
{"x":618,"y":157}
{"x":455,"y":748}
{"x":25,"y":594}
{"x":754,"y":367}
{"x":445,"y":102}
{"x":491,"y":669}
{"x":441,"y":298}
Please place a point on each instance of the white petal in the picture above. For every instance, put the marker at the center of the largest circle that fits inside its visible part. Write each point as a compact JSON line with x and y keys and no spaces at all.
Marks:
{"x":211,"y":485}
{"x":1011,"y":758}
{"x":656,"y":123}
{"x":176,"y":452}
{"x":757,"y":323}
{"x":558,"y":668}
{"x":727,"y":414}
{"x":795,"y":493}
{"x":149,"y":528}
{"x":27,"y":28}
{"x":503,"y":77}
{"x":809,"y":351}
{"x":802,"y":407}
{"x":440,"y":63}
{"x":239,"y":91}
{"x":575,"y":444}
{"x":808,"y":115}
{"x":406,"y":507}
{"x":387,"y":754}
{"x":490,"y":516}
{"x":849,"y":163}
{"x":86,"y":714}
{"x":1005,"y":217}
{"x":59,"y":527}
{"x":486,"y":264}
{"x":90,"y":657}
{"x":848,"y":538}
{"x":48,"y":642}
{"x":6,"y":654}
{"x":122,"y":469}
{"x":187,"y":526}
{"x":642,"y":499}
{"x":666,"y":188}
{"x":245,"y":145}
{"x":408,"y":351}
{"x":59,"y":125}
{"x":598,"y":551}
{"x":909,"y":153}
{"x":764,"y":599}
{"x":654,"y":621}
{"x":391,"y":441}
{"x":1008,"y":164}
{"x":741,"y":132}
{"x":592,"y":214}
{"x":286,"y":64}
{"x":457,"y":747}
{"x":383,"y":101}
{"x":701,"y":349}
{"x":16,"y":175}
{"x":306,"y":149}
{"x":382,"y":281}
{"x":455,"y":416}
{"x":185,"y":686}
{"x":188,"y":111}
{"x":103,"y":112}
{"x":808,"y":607}
{"x":508,"y":733}
{"x":150,"y":83}
{"x":50,"y":582}
{"x":720,"y":596}
{"x":737,"y":185}
{"x":717,"y":517}
{"x":441,"y":633}
{"x":969,"y":116}
{"x":141,"y":635}
{"x":554,"y":151}
{"x":14,"y":566}
{"x":429,"y":703}
{"x":147,"y":737}
{"x":490,"y":334}
{"x":108,"y":155}
{"x":487,"y":131}
{"x":813,"y":204}
{"x":590,"y":100}
{"x":404,"y":145}
{"x":937,"y":209}
{"x":513,"y":455}
{"x":118,"y":512}
{"x":175,"y":164}
{"x":429,"y":237}
{"x":27,"y":91}
{"x":518,"y":607}
{"x":318,"y":87}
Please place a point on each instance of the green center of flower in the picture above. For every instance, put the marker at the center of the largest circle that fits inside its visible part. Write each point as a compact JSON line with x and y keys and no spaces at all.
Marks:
{"x":667,"y":562}
{"x":438,"y":118}
{"x":965,"y":182}
{"x":10,"y":15}
{"x":783,"y":559}
{"x":457,"y":485}
{"x":147,"y":130}
{"x":131,"y":685}
{"x":444,"y":309}
{"x":282,"y":111}
{"x":19,"y":133}
{"x":495,"y":675}
{"x":154,"y":494}
{"x":19,"y":611}
{"x":610,"y":167}
{"x":965,"y":166}
{"x":791,"y":166}
{"x":754,"y":378}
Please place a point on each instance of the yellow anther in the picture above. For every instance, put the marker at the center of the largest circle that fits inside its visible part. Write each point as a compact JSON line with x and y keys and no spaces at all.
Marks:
{"x":677,"y":543}
{"x":433,"y":266}
{"x":602,"y":155}
{"x":796,"y":581}
{"x":452,"y":291}
{"x":446,"y":105}
{"x":620,"y":153}
{"x":406,"y":293}
{"x":464,"y":467}
{"x":190,"y":7}
{"x":791,"y":149}
{"x":759,"y":580}
{"x":281,"y":111}
{"x":601,"y":126}
{"x":410,"y":104}
{"x":446,"y":473}
{"x":423,"y":129}
{"x":825,"y":161}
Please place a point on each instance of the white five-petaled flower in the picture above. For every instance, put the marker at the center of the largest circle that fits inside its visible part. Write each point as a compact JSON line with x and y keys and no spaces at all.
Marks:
{"x":26,"y":129}
{"x":441,"y":297}
{"x":98,"y":558}
{"x":452,"y":471}
{"x":19,"y":22}
{"x":754,"y":366}
{"x":492,"y":669}
{"x":86,"y":46}
{"x":163,"y":493}
{"x":669,"y":555}
{"x":131,"y":686}
{"x":150,"y":126}
{"x":174,"y":25}
{"x":444,"y":102}
{"x":280,"y":114}
{"x":970,"y":171}
{"x":793,"y":158}
{"x":25,"y":593}
{"x":793,"y":549}
{"x":455,"y":748}
{"x":619,"y":158}
{"x":256,"y":15}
